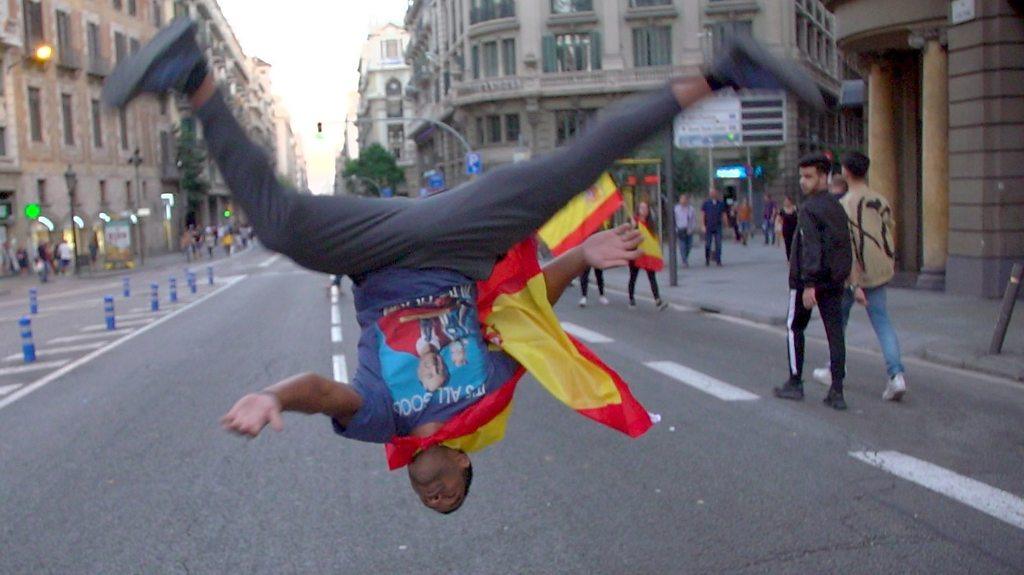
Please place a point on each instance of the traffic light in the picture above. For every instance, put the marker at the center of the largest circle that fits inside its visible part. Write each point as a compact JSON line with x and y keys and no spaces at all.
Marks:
{"x":320,"y":130}
{"x":32,"y":211}
{"x":227,"y":213}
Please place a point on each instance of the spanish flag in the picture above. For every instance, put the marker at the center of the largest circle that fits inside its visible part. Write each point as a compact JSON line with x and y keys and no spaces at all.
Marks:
{"x":516,"y":316}
{"x":582,"y":216}
{"x":651,"y":257}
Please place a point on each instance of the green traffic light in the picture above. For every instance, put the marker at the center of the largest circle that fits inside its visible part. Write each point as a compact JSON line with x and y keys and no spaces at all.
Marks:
{"x":32,"y":211}
{"x":227,"y":213}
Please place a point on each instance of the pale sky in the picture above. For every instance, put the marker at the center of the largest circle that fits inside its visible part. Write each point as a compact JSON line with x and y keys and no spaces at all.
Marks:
{"x":314,"y":48}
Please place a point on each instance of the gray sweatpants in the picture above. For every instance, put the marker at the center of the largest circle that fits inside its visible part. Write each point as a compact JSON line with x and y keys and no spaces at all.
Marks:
{"x":465,"y":229}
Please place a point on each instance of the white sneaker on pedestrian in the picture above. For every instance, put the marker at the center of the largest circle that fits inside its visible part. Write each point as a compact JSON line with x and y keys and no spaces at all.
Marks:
{"x":583,"y":301}
{"x":823,"y":375}
{"x":603,"y":300}
{"x":895,"y":389}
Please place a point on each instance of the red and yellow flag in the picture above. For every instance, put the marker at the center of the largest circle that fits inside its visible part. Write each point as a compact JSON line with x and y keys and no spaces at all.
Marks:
{"x":582,"y":216}
{"x":516,"y":315}
{"x":651,"y":257}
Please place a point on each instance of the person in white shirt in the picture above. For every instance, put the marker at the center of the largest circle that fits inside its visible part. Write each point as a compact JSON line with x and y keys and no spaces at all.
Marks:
{"x":64,"y":253}
{"x":686,"y":223}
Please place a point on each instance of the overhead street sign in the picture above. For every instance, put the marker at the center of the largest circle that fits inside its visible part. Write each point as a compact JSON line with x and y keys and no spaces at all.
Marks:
{"x":747,"y":119}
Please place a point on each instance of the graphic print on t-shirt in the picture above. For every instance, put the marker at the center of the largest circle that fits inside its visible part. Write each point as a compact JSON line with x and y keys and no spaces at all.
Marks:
{"x":431,"y":351}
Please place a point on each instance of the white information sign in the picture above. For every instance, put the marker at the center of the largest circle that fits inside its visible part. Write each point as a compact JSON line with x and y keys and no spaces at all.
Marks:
{"x":713,"y":122}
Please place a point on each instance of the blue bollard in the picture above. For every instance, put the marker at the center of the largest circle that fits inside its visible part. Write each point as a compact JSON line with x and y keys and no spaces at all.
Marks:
{"x":28,"y":348}
{"x":108,"y":311}
{"x":154,"y":297}
{"x":172,"y":284}
{"x":192,"y":282}
{"x":33,"y":300}
{"x":126,"y":287}
{"x":209,"y":275}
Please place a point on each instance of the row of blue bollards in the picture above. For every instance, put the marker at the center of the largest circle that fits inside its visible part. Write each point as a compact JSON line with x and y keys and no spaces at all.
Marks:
{"x":28,"y":346}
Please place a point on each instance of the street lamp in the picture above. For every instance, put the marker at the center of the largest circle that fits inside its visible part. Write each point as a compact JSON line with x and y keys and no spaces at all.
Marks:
{"x":136,"y":161}
{"x":72,"y":180}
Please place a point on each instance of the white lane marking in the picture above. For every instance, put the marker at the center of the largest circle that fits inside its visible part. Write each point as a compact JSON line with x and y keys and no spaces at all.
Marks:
{"x":120,"y":324}
{"x":269,"y":261}
{"x":58,"y":350}
{"x":36,"y":366}
{"x":701,"y":382}
{"x":88,"y":336}
{"x":336,"y":334}
{"x":4,"y":390}
{"x":53,"y":376}
{"x":131,"y":316}
{"x":334,"y":297}
{"x":585,"y":334}
{"x":335,"y":315}
{"x":1000,"y":504}
{"x":340,"y":368}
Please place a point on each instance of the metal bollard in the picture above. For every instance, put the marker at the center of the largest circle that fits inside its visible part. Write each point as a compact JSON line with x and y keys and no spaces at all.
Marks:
{"x":28,"y":348}
{"x":126,"y":287}
{"x":172,"y":285}
{"x":1006,"y":312}
{"x":108,"y":311}
{"x":192,"y":282}
{"x":209,"y":275}
{"x":33,"y":301}
{"x":154,"y":297}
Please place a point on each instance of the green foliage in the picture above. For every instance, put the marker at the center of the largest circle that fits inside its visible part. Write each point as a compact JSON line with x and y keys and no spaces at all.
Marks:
{"x":375,"y":165}
{"x":191,"y":158}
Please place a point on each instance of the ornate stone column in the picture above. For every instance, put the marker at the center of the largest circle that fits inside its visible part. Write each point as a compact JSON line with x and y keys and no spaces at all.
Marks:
{"x":934,"y":162}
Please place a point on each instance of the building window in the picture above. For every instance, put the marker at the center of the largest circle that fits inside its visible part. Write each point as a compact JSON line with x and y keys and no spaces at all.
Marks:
{"x":571,"y":6}
{"x":652,"y":46}
{"x":394,"y":108}
{"x":512,"y":127}
{"x":120,"y":46}
{"x":493,"y":129}
{"x":128,"y":200}
{"x":719,"y":29}
{"x":508,"y":56}
{"x":490,"y":62}
{"x":103,"y":192}
{"x":475,"y":53}
{"x":118,"y":5}
{"x":3,"y":142}
{"x":122,"y":124}
{"x":568,"y":123}
{"x":92,"y":31}
{"x":158,"y":13}
{"x":135,"y":45}
{"x":484,"y":10}
{"x":68,"y":118}
{"x":133,"y":8}
{"x":35,"y":114}
{"x":390,"y":51}
{"x":396,"y":139}
{"x":480,"y":132}
{"x":41,"y":192}
{"x":644,"y":3}
{"x":393,"y":88}
{"x":33,"y":24}
{"x":63,"y":33}
{"x":572,"y":52}
{"x":97,"y":124}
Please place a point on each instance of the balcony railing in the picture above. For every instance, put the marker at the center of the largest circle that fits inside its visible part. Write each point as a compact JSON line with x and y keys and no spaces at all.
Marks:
{"x":485,"y":10}
{"x":596,"y":81}
{"x":571,"y":6}
{"x":69,"y":58}
{"x":99,"y":66}
{"x":647,"y":3}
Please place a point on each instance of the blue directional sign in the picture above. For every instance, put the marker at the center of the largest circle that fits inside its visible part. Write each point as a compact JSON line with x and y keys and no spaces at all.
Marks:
{"x":474,"y":165}
{"x":435,"y":180}
{"x":387,"y":193}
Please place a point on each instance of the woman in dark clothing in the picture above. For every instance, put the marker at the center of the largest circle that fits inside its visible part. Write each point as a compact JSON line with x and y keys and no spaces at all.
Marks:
{"x":787,"y":215}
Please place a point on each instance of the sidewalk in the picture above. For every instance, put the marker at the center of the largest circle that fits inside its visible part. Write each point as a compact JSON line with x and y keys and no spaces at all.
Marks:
{"x":946,"y":329}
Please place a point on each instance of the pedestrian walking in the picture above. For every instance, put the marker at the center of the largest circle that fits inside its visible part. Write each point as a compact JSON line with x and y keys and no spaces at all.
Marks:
{"x":94,"y":250}
{"x":651,"y":264}
{"x":585,"y":286}
{"x":686,"y":223}
{"x":768,"y":214}
{"x":187,"y":244}
{"x":711,"y":223}
{"x":874,"y":265}
{"x":64,"y":253}
{"x":787,"y":223}
{"x":819,"y":268}
{"x":745,"y":216}
{"x":228,"y":242}
{"x":42,"y":270}
{"x":210,"y":240}
{"x":23,"y":263}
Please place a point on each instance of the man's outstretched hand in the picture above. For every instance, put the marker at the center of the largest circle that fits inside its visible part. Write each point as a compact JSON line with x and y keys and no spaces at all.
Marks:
{"x":252,"y":413}
{"x":612,"y":248}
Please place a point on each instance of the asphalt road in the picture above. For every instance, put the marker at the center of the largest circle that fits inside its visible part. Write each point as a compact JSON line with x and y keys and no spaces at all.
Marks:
{"x":113,"y":461}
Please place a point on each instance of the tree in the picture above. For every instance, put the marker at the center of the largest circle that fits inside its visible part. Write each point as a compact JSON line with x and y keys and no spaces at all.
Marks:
{"x":375,"y":165}
{"x":191,"y":159}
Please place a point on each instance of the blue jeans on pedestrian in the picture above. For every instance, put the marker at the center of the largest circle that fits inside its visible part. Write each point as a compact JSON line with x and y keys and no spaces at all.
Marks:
{"x":878,"y":313}
{"x":769,"y":232}
{"x":685,"y":245}
{"x":716,"y":237}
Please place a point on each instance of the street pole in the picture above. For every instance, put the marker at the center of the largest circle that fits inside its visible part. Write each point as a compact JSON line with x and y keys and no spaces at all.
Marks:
{"x":673,"y":234}
{"x":136,"y":161}
{"x":750,"y":181}
{"x":72,"y":181}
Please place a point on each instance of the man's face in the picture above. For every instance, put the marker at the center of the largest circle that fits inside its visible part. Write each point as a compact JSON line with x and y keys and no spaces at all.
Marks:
{"x":684,"y":200}
{"x":811,"y":180}
{"x":713,"y":194}
{"x":432,"y":372}
{"x":438,"y":476}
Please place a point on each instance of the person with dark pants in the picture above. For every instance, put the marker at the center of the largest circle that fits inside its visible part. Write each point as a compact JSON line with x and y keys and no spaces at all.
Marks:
{"x":634,"y":272}
{"x":585,"y":286}
{"x":819,"y":267}
{"x":711,"y":213}
{"x":787,"y":219}
{"x":686,"y":221}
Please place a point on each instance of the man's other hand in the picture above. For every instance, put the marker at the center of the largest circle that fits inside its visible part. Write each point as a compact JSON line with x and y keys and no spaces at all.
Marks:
{"x":252,"y":413}
{"x":860,"y":297}
{"x":810,"y":298}
{"x":612,"y":248}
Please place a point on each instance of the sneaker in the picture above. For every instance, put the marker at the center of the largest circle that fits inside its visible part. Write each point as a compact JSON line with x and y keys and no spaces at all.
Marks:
{"x":835,"y":400}
{"x":603,"y":300}
{"x":823,"y":375}
{"x":744,"y":63}
{"x":895,"y":389}
{"x":632,"y":303}
{"x":790,"y":390}
{"x":662,"y":304}
{"x":162,"y":65}
{"x":583,"y":301}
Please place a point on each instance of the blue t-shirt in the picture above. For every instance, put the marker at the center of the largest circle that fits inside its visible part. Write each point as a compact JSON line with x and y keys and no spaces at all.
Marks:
{"x":713,"y":211}
{"x":422,"y":357}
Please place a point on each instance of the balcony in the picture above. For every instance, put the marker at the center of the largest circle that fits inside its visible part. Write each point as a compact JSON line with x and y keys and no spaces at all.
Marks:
{"x":485,"y":10}
{"x":69,"y":58}
{"x":98,"y":66}
{"x":643,"y":9}
{"x":566,"y":84}
{"x":732,"y":7}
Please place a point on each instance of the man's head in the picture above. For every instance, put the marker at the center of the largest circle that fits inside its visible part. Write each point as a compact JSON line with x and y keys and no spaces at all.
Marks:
{"x":814,"y":169}
{"x":432,"y":372}
{"x":684,"y":200}
{"x":441,"y":476}
{"x":838,"y":185}
{"x":855,"y":166}
{"x":643,"y":210}
{"x":713,"y":194}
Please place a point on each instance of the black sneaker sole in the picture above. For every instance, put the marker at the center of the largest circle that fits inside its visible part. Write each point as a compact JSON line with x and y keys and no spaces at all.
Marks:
{"x":123,"y":83}
{"x":788,"y":73}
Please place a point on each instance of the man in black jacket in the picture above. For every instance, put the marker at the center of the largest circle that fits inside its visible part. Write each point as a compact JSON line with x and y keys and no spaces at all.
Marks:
{"x":818,"y":270}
